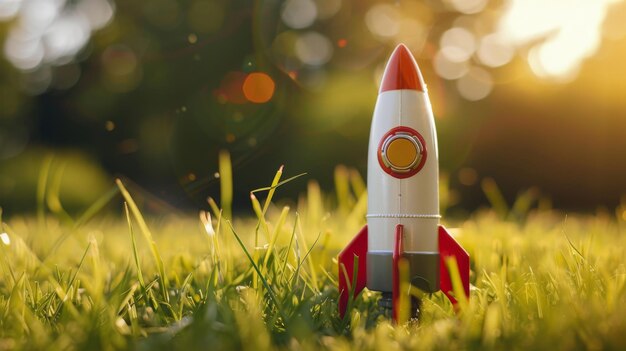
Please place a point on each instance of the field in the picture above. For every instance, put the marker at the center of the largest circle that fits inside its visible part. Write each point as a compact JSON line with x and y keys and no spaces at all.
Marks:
{"x":541,"y":280}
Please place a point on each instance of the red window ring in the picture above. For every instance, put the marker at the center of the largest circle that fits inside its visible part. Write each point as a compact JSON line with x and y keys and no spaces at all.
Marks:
{"x":402,"y":152}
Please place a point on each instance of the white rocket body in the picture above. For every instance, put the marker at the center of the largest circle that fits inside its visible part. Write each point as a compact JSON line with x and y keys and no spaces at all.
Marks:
{"x":414,"y":201}
{"x":403,"y":178}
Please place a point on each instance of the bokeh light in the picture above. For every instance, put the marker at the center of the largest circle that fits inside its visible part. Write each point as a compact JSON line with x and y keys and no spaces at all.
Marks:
{"x":258,"y":87}
{"x":36,"y":15}
{"x":283,"y":51}
{"x":448,"y":69}
{"x":299,"y":14}
{"x":314,"y":49}
{"x":493,"y":51}
{"x":412,"y":33}
{"x":476,"y":84}
{"x":50,"y":33}
{"x":457,"y":44}
{"x":122,"y":72}
{"x":231,"y":88}
{"x":99,"y":13}
{"x":468,"y":176}
{"x":383,"y":20}
{"x":4,"y":238}
{"x":9,"y":8}
{"x":614,"y":27}
{"x":23,"y":50}
{"x":65,"y":38}
{"x":468,"y":6}
{"x":109,"y":126}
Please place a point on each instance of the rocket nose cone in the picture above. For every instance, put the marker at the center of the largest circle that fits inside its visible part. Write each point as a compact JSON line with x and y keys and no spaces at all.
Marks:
{"x":402,"y":72}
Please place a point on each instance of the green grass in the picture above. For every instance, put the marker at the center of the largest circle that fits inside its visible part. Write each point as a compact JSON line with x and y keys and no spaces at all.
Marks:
{"x":541,"y":280}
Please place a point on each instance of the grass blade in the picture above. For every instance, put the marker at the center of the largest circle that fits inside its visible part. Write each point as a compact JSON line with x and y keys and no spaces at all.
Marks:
{"x":279,"y":184}
{"x":97,"y":206}
{"x":148,"y":236}
{"x":279,"y":225}
{"x":495,"y":197}
{"x":135,"y":253}
{"x":226,"y":184}
{"x":41,"y":189}
{"x":267,"y":286}
{"x":270,"y":194}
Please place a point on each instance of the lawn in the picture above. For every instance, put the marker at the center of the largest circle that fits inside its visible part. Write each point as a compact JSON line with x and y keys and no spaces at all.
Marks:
{"x":541,"y":279}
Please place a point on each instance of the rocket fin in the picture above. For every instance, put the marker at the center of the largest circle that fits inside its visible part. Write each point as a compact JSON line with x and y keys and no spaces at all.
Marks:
{"x":448,"y":247}
{"x":356,"y":249}
{"x":398,"y":250}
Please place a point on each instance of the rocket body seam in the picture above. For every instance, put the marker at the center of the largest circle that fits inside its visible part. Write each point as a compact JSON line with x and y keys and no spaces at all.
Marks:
{"x":387,"y":252}
{"x":398,"y":179}
{"x":402,"y":215}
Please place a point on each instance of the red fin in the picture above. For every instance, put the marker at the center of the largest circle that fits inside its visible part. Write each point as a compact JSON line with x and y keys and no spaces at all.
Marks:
{"x":357,"y":247}
{"x":448,"y":247}
{"x":398,"y":249}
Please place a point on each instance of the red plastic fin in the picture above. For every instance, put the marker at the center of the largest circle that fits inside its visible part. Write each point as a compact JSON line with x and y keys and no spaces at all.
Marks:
{"x":448,"y":247}
{"x":398,"y":249}
{"x":356,"y":248}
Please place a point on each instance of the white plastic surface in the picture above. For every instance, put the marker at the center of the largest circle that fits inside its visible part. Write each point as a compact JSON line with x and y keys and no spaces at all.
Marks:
{"x":414,"y":201}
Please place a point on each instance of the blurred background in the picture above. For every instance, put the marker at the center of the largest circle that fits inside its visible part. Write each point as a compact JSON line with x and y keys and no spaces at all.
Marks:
{"x":530,"y":93}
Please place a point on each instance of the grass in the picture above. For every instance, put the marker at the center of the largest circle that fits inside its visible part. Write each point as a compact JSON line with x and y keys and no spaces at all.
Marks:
{"x":541,"y":280}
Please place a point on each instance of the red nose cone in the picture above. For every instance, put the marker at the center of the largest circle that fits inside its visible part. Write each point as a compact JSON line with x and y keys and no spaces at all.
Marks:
{"x":402,"y":72}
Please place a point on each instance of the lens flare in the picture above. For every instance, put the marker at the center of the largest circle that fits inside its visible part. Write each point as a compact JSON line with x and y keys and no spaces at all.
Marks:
{"x":258,"y":87}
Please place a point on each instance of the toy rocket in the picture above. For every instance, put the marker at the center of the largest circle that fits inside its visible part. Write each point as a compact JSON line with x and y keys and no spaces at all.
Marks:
{"x":403,"y":196}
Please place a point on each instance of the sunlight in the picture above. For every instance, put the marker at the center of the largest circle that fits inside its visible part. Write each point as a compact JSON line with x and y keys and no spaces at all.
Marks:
{"x":4,"y":237}
{"x":563,"y":33}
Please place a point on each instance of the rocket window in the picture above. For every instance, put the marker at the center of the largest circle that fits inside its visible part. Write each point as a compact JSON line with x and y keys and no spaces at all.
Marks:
{"x":402,"y":152}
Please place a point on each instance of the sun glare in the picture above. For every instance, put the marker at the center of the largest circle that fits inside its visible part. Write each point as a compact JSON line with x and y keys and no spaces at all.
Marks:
{"x":565,"y":32}
{"x":4,"y":237}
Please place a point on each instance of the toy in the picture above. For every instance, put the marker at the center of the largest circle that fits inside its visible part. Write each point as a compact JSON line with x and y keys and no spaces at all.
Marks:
{"x":403,"y":197}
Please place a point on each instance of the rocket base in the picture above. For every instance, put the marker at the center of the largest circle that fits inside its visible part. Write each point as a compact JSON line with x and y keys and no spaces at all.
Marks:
{"x":424,"y":268}
{"x":386,"y":306}
{"x":354,"y":269}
